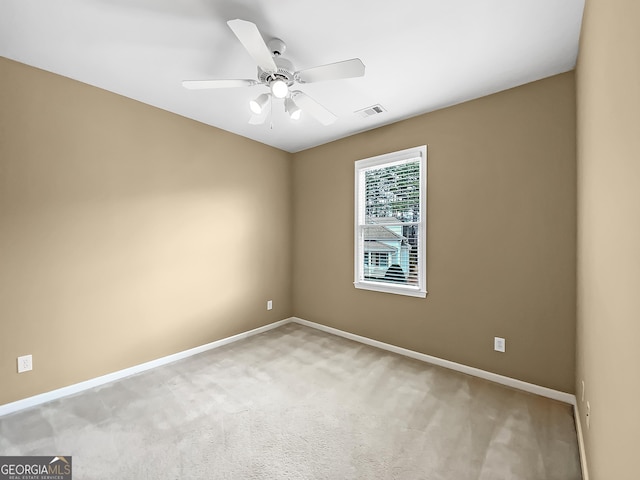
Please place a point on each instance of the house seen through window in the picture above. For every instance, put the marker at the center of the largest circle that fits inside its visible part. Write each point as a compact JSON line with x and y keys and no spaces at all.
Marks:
{"x":390,"y":230}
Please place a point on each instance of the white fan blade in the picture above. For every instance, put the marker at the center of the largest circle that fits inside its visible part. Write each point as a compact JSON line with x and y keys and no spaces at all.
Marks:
{"x":333,"y":71}
{"x":313,"y":108}
{"x":250,"y":37}
{"x":203,"y":84}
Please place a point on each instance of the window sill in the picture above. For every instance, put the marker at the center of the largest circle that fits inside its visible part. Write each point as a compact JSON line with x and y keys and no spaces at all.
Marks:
{"x":395,"y":289}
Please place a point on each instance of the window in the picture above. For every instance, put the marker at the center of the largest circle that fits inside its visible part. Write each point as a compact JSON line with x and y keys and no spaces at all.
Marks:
{"x":390,"y":222}
{"x":379,"y":259}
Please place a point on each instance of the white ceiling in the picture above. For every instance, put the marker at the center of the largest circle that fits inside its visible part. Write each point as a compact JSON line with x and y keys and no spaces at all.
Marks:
{"x":420,"y":55}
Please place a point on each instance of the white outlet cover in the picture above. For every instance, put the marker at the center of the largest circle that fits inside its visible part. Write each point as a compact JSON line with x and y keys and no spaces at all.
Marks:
{"x":269,"y":304}
{"x":499,"y":344}
{"x":25,"y":363}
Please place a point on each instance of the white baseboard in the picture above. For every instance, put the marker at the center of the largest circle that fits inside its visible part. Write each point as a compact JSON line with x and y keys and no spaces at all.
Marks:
{"x":94,"y":382}
{"x":476,"y":372}
{"x":581,"y":448}
{"x":110,"y":377}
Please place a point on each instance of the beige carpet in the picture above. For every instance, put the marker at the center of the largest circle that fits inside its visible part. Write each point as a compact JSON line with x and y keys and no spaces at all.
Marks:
{"x":296,"y":403}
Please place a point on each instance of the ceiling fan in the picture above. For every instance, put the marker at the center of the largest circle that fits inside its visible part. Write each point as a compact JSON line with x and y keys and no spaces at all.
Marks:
{"x":280,"y":76}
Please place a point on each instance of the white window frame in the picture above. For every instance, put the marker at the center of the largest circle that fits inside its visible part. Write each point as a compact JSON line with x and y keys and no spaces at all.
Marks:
{"x":389,"y":159}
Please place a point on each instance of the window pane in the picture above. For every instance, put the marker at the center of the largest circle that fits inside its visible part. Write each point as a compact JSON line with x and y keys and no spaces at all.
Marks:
{"x":393,"y":193}
{"x":390,"y":253}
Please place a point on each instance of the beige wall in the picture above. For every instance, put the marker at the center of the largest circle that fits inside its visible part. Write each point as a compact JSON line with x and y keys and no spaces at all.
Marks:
{"x":501,"y":235}
{"x":608,"y":88}
{"x":127,"y":233}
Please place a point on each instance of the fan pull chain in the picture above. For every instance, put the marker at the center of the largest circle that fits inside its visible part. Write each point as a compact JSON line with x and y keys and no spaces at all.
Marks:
{"x":271,"y":113}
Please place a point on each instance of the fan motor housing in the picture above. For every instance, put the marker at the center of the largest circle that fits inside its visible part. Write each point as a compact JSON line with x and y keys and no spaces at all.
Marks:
{"x":285,"y":72}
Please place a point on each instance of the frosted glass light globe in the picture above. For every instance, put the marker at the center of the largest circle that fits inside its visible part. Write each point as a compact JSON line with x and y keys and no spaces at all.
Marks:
{"x":279,"y":89}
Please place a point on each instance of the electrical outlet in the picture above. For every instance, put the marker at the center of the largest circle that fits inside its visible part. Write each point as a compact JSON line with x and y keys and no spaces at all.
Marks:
{"x":582,"y":396}
{"x":269,"y":304}
{"x":25,"y":363}
{"x":499,"y":344}
{"x":588,"y":415}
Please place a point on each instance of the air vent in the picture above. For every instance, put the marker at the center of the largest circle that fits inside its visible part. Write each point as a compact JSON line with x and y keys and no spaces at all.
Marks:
{"x":371,"y":111}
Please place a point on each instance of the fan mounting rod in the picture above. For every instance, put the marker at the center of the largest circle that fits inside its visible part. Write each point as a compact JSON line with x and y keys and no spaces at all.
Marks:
{"x":276,"y":46}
